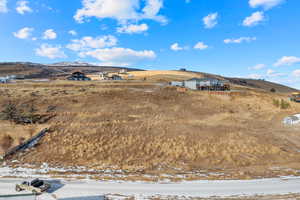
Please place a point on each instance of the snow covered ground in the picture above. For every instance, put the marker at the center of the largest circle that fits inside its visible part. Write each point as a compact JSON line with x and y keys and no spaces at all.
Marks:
{"x":43,"y":171}
{"x":94,"y":190}
{"x":292,"y":120}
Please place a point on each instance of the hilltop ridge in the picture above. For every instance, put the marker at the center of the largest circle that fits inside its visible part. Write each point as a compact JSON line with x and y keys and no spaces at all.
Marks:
{"x":63,"y":69}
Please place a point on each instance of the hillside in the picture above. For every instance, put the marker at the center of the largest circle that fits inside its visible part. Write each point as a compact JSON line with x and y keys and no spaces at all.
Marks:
{"x":144,"y":128}
{"x":167,"y":76}
{"x":34,"y":70}
{"x":62,"y":70}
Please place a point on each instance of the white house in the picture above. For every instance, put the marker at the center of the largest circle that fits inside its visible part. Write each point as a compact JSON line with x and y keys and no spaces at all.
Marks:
{"x":204,"y":84}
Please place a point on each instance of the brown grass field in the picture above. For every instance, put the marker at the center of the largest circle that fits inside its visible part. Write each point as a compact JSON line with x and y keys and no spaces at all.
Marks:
{"x":144,"y":128}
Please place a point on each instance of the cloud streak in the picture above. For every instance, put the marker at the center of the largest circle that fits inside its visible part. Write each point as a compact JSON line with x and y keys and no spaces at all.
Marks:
{"x":210,"y":21}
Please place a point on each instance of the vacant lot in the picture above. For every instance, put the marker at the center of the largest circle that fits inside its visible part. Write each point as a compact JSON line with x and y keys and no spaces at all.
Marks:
{"x":141,"y":127}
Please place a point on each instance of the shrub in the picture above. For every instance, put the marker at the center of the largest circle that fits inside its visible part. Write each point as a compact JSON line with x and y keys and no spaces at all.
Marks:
{"x":29,"y":115}
{"x":21,"y":140}
{"x":276,"y":103}
{"x":6,"y":142}
{"x":10,"y":112}
{"x":273,"y":90}
{"x":22,"y":114}
{"x":282,"y":104}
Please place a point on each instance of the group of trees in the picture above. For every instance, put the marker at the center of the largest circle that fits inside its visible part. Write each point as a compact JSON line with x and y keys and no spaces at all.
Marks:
{"x":20,"y":114}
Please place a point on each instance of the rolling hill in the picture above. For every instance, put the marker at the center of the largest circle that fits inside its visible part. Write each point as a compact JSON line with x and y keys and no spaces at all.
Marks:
{"x":63,"y":69}
{"x":143,"y":128}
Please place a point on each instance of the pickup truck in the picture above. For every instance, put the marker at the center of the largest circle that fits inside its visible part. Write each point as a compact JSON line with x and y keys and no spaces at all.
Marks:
{"x":36,"y":186}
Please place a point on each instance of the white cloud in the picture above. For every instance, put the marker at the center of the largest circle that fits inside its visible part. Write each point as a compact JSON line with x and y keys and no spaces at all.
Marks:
{"x":119,"y":56}
{"x":49,"y":35}
{"x":254,"y":19}
{"x":23,"y":33}
{"x":296,"y":73}
{"x":152,"y":9}
{"x":287,"y":61}
{"x":257,"y":67}
{"x":176,"y":47}
{"x":272,"y":73}
{"x":210,"y":20}
{"x":132,"y":28}
{"x":122,"y":11}
{"x":22,"y":7}
{"x":72,"y":32}
{"x":87,"y":43}
{"x":239,"y":40}
{"x":266,"y":4}
{"x":200,"y":46}
{"x":254,"y":76}
{"x":49,"y":51}
{"x":3,"y":6}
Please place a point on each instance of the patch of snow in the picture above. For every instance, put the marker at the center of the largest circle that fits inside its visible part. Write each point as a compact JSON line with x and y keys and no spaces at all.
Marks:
{"x":45,"y":171}
{"x":292,"y":120}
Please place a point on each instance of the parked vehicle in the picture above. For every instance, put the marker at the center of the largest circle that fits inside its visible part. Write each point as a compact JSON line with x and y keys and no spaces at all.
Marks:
{"x":295,"y":97}
{"x":36,"y":186}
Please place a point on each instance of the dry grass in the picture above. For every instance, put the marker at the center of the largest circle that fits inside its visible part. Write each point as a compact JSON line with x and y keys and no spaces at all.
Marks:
{"x":139,"y":127}
{"x":159,"y":75}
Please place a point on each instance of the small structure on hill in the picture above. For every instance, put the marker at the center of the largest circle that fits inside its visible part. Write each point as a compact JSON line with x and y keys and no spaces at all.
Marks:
{"x":210,"y":84}
{"x":78,"y":76}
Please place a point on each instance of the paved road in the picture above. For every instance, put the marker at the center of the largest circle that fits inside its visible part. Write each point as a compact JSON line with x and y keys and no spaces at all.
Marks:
{"x":90,"y":190}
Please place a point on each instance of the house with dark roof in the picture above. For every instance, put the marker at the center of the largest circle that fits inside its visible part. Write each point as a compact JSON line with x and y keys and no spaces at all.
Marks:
{"x":78,"y":76}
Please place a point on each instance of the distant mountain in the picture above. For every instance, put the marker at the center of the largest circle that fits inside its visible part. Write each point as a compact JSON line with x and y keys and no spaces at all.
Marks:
{"x":61,"y":69}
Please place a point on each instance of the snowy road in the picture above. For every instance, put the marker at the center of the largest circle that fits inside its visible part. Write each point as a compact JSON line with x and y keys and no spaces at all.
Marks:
{"x":70,"y":190}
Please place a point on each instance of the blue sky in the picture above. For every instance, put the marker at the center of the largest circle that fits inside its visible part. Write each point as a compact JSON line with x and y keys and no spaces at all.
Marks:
{"x":245,"y":38}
